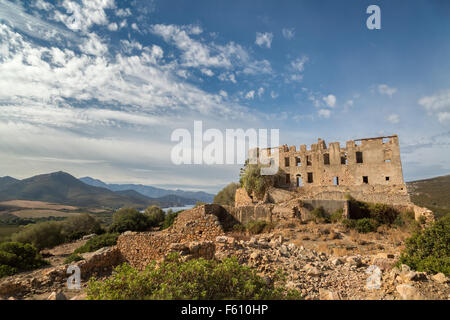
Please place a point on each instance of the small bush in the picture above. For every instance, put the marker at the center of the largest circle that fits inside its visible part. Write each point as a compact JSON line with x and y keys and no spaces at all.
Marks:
{"x":155,"y":214}
{"x":78,"y":226}
{"x":73,"y":258}
{"x":337,"y":216}
{"x":16,"y":257}
{"x":129,"y":219}
{"x":169,"y":219}
{"x":98,"y":242}
{"x":349,"y":223}
{"x":429,"y":249}
{"x":320,"y":215}
{"x":258,"y":226}
{"x":366,"y":225}
{"x":41,"y":235}
{"x":208,"y":279}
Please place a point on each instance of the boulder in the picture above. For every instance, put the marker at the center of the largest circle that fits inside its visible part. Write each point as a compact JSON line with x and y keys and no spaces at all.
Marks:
{"x":57,"y":296}
{"x":440,"y":278}
{"x":408,"y":292}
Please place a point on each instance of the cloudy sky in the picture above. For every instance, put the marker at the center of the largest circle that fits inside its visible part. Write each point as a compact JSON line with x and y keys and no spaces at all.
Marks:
{"x":96,"y":87}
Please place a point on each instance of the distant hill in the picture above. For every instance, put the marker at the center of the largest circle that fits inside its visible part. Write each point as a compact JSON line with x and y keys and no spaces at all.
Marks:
{"x":61,"y":187}
{"x":432,"y":193}
{"x":150,"y":191}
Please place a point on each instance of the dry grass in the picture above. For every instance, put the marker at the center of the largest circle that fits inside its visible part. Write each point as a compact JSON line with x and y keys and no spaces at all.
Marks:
{"x":42,"y":213}
{"x":36,"y":205}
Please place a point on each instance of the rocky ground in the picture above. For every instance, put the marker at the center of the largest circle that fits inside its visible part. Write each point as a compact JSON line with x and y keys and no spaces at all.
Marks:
{"x":323,"y":261}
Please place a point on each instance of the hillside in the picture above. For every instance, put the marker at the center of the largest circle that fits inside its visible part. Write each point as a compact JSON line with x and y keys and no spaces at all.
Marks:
{"x":150,"y":191}
{"x":61,"y":187}
{"x":432,"y":193}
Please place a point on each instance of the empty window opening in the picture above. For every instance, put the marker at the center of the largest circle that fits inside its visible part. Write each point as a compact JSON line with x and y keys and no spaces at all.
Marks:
{"x":386,"y":140}
{"x":357,"y":142}
{"x":310,"y":177}
{"x":336,"y":181}
{"x":387,"y":178}
{"x":326,"y":158}
{"x":286,"y":162}
{"x":299,"y":181}
{"x":308,"y":160}
{"x":344,"y":159}
{"x":298,"y":162}
{"x":288,"y":178}
{"x":359,"y":157}
{"x":365,"y":179}
{"x":387,"y":160}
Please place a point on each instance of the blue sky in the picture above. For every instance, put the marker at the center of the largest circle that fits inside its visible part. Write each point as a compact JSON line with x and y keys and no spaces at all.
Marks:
{"x":96,"y":87}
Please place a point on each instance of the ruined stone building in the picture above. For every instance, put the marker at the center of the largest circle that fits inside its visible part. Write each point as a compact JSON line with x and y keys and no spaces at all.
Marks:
{"x":369,"y":161}
{"x":367,"y":169}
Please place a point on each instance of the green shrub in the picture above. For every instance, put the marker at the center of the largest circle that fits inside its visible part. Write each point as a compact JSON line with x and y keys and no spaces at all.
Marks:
{"x":257,"y":226}
{"x":98,"y":242}
{"x":73,"y":258}
{"x":80,"y":225}
{"x":129,"y":219}
{"x":337,"y":216}
{"x":52,"y":233}
{"x":41,"y":235}
{"x":226,"y":195}
{"x":16,"y":257}
{"x":169,"y":218}
{"x":349,"y":223}
{"x":207,"y":279}
{"x":155,"y":214}
{"x":429,"y":249}
{"x":366,"y":225}
{"x":252,"y":180}
{"x":320,"y":215}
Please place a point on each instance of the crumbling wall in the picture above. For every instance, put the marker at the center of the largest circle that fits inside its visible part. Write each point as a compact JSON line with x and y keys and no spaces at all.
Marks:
{"x":242,"y":198}
{"x":198,"y":225}
{"x":369,"y":161}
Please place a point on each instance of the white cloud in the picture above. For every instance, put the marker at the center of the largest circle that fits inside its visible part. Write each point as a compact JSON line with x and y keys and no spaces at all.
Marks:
{"x":94,"y":45}
{"x":437,"y":104}
{"x":260,"y":92}
{"x":207,"y":72}
{"x":324,"y":113}
{"x":299,"y":64}
{"x":288,"y":33}
{"x":227,"y":77}
{"x":134,"y":26}
{"x":43,"y":5}
{"x":250,"y":94}
{"x":223,"y":93}
{"x":123,"y":12}
{"x":264,"y":39}
{"x":330,"y":100}
{"x":83,"y":16}
{"x":393,"y":118}
{"x":113,"y":26}
{"x":273,"y":94}
{"x":386,"y":90}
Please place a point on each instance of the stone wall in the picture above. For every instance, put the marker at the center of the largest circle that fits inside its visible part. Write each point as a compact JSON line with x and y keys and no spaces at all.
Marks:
{"x":242,"y":198}
{"x":191,"y":227}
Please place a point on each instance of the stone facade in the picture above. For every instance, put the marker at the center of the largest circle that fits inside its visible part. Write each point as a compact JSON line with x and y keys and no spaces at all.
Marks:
{"x":361,"y":163}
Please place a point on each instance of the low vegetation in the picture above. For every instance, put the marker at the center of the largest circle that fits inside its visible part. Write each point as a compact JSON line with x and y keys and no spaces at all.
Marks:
{"x":129,"y":219}
{"x":255,"y":183}
{"x":226,"y":195}
{"x":208,"y":279}
{"x":98,"y":242}
{"x":169,"y":219}
{"x":429,"y":249}
{"x":51,"y":233}
{"x":254,"y":227}
{"x":16,"y":257}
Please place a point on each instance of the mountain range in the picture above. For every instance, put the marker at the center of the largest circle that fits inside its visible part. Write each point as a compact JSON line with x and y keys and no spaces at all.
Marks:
{"x":150,"y":191}
{"x":61,"y":187}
